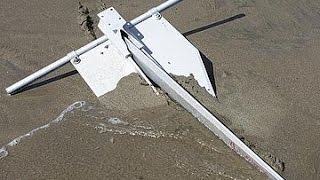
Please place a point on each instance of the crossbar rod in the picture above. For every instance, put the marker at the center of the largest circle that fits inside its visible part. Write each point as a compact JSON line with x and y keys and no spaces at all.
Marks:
{"x":73,"y":54}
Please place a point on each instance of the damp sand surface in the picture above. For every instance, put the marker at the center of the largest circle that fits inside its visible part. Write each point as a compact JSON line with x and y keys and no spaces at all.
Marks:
{"x":57,"y":128}
{"x":265,"y":63}
{"x":89,"y":143}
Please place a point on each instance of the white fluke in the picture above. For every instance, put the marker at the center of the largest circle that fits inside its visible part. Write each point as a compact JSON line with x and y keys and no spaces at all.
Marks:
{"x":151,"y":46}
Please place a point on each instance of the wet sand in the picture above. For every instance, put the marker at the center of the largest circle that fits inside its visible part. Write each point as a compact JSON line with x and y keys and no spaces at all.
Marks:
{"x":265,"y":57}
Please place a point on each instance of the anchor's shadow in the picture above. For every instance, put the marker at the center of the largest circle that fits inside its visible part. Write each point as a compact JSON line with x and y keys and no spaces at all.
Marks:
{"x":209,"y":68}
{"x":208,"y":63}
{"x":47,"y":81}
{"x":218,"y":23}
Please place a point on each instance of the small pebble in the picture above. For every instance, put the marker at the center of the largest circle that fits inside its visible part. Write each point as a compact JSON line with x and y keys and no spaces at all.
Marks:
{"x":111,"y":140}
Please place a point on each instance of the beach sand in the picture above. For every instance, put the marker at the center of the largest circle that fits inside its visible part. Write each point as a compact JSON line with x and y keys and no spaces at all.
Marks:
{"x":266,"y":69}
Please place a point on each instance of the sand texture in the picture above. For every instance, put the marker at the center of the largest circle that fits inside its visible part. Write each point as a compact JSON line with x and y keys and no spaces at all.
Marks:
{"x":266,"y":71}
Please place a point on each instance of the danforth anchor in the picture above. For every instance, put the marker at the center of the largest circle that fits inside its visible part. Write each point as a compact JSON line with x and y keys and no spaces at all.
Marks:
{"x":150,"y":46}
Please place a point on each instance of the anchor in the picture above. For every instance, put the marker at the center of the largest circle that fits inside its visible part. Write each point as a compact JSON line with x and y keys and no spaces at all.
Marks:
{"x":150,"y":46}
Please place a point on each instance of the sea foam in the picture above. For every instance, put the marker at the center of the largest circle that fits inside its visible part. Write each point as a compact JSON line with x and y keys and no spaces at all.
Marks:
{"x":3,"y":150}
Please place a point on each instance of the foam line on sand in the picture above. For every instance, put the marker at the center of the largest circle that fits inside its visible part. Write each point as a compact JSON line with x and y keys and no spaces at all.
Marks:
{"x":3,"y":150}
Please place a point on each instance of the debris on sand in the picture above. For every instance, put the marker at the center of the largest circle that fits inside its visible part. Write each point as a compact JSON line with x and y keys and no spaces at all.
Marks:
{"x":111,"y":140}
{"x":271,"y":159}
{"x":86,"y":22}
{"x":115,"y":121}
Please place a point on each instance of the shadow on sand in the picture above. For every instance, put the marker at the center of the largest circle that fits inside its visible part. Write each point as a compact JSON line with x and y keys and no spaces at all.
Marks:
{"x":203,"y":28}
{"x":209,"y":68}
{"x":208,"y":63}
{"x":47,"y":81}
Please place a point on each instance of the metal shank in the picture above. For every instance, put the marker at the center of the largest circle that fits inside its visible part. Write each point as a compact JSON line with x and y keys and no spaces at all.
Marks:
{"x":159,"y":76}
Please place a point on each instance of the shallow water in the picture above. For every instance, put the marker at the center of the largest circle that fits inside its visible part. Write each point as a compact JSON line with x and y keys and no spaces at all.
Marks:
{"x":168,"y":146}
{"x":3,"y":150}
